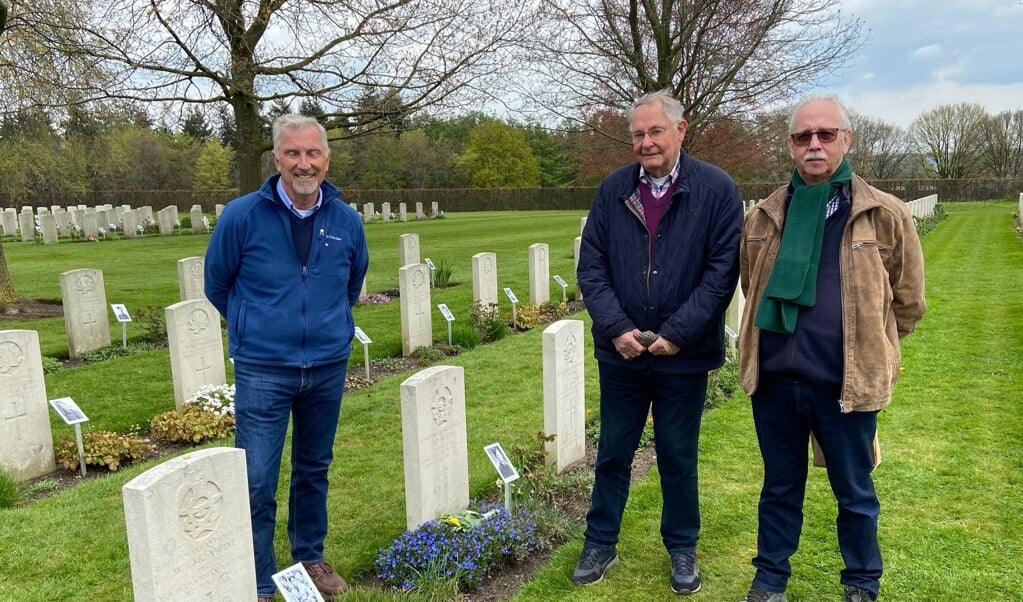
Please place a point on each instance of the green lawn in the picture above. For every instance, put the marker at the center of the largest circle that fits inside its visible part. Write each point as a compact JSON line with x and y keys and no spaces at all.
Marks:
{"x":952,"y":441}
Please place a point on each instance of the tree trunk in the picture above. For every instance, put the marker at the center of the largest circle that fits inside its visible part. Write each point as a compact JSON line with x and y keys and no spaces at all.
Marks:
{"x":8,"y":295}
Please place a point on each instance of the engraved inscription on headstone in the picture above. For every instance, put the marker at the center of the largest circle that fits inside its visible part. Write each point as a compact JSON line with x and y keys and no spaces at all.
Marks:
{"x":196,"y":348}
{"x":26,"y":442}
{"x":539,"y":274}
{"x":415,"y":308}
{"x":189,"y":535}
{"x":564,"y":393}
{"x":434,"y":443}
{"x":85,"y":310}
{"x":484,"y":279}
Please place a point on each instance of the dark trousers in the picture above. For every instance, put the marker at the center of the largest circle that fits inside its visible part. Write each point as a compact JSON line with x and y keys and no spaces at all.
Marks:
{"x":785,"y":412}
{"x":676,"y":401}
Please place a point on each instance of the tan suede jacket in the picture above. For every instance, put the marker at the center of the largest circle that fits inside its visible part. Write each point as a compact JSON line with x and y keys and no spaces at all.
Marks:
{"x":882,"y":270}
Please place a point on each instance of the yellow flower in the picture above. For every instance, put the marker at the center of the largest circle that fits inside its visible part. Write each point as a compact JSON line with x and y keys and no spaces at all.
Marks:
{"x":454,"y":521}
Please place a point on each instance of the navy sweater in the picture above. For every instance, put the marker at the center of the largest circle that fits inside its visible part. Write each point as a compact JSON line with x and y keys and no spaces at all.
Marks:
{"x":813,"y":352}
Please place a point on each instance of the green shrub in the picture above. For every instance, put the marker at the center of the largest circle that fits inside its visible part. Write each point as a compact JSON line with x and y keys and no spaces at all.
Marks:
{"x":442,"y":274}
{"x":102,"y":448}
{"x":426,"y":356}
{"x":115,"y":351}
{"x":51,"y":364}
{"x":193,"y":424}
{"x":487,"y":320}
{"x":465,"y":336}
{"x":154,"y":321}
{"x":10,"y":491}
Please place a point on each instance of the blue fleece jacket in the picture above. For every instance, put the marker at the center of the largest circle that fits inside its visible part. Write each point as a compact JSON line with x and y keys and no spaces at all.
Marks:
{"x":280,"y":312}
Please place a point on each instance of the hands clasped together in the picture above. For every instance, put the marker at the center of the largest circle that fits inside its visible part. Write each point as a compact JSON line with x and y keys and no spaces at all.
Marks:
{"x":634,"y":343}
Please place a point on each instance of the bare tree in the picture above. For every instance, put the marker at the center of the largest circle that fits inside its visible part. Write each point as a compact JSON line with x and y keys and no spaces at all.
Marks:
{"x":1002,"y":154}
{"x":949,"y":139}
{"x":248,"y":53}
{"x":879,"y":149}
{"x":718,"y":57}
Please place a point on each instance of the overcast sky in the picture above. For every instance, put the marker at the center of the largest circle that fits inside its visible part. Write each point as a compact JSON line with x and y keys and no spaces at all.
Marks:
{"x":925,"y":53}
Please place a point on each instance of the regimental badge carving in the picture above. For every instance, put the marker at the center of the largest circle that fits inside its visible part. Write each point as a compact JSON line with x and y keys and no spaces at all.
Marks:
{"x":11,"y":357}
{"x":418,"y":278}
{"x":198,"y":321}
{"x":570,"y":347}
{"x":85,"y":284}
{"x":488,"y":265}
{"x":199,"y":509}
{"x":441,"y":406}
{"x":196,"y":269}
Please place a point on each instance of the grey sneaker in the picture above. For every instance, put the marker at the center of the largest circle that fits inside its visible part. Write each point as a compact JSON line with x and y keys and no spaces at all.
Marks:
{"x":855,"y":594}
{"x":761,"y":595}
{"x":685,"y":573}
{"x":593,"y":563}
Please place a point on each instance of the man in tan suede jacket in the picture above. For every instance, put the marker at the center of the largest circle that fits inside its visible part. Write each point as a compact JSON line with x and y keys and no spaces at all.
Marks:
{"x":833,"y":274}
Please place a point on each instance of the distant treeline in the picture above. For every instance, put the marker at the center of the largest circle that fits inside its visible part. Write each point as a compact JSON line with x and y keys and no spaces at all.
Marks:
{"x":502,"y":199}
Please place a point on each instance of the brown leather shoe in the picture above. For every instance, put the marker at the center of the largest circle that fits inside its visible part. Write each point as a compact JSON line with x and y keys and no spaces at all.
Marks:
{"x":265,"y":599}
{"x":326,"y":579}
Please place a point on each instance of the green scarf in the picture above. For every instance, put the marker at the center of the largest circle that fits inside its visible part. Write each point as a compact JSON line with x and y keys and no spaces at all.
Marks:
{"x":793,"y":282}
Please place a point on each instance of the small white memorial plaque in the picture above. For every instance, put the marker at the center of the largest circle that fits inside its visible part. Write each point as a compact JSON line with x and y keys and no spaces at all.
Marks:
{"x":120,"y":312}
{"x":362,"y":336}
{"x":295,"y":584}
{"x":429,"y":264}
{"x":68,"y":410}
{"x":501,"y":462}
{"x":446,"y":312}
{"x":561,"y":281}
{"x":511,"y":295}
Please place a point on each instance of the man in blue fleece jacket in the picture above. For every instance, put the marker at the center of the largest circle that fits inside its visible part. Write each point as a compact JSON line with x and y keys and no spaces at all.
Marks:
{"x":285,"y":265}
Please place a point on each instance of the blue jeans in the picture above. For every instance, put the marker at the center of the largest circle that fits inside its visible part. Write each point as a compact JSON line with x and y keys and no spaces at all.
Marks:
{"x":785,"y":412}
{"x":265,"y":398}
{"x":626,"y":398}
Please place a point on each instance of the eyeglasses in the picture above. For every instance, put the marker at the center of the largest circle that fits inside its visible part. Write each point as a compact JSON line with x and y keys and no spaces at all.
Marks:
{"x":825,"y":135}
{"x":654,"y":133}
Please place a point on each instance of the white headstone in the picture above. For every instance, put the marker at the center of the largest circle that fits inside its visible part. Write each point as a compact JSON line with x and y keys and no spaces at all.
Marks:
{"x":419,"y":210}
{"x":414,"y":301}
{"x":218,"y":209}
{"x":27,"y":224}
{"x":367,"y":212}
{"x":434,"y":443}
{"x":408,"y":253}
{"x":26,"y":442}
{"x":189,"y":533}
{"x":582,"y":224}
{"x":10,"y":221}
{"x":130,"y":223}
{"x":564,"y":407}
{"x":484,"y":279}
{"x":733,"y":316}
{"x":90,"y":226}
{"x":85,"y":310}
{"x":402,"y":212}
{"x":196,"y":348}
{"x":385,"y":212}
{"x":190,"y":278}
{"x":434,"y":208}
{"x":196,"y":217}
{"x":48,"y":222}
{"x":539,"y":274}
{"x":167,"y":219}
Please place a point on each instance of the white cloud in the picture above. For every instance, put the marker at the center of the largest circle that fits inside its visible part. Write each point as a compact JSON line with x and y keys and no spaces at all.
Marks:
{"x":901,"y":107}
{"x":927,"y":52}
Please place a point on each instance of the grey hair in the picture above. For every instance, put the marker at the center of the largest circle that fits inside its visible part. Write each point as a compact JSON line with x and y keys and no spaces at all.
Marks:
{"x":671,"y":107}
{"x":842,"y":111}
{"x":294,"y":121}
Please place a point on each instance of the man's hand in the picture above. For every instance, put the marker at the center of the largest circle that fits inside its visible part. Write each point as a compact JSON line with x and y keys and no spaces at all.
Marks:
{"x":627,"y":345}
{"x":663,"y":346}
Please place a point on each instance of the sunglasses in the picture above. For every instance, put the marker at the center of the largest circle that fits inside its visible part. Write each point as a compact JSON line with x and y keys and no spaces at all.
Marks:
{"x":825,"y":135}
